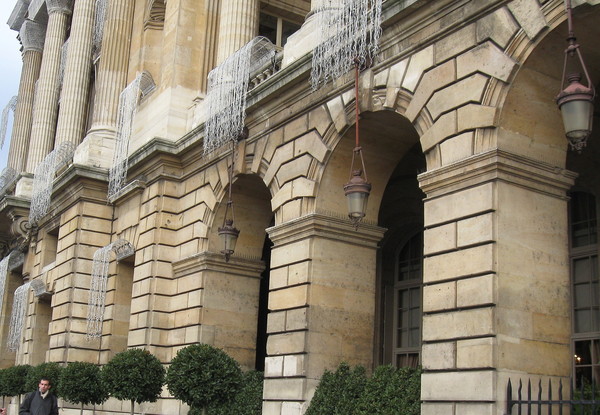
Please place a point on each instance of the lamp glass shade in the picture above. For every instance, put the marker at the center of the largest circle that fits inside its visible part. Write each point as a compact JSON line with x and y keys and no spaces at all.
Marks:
{"x":357,"y":203}
{"x":229,"y":236}
{"x":577,"y":117}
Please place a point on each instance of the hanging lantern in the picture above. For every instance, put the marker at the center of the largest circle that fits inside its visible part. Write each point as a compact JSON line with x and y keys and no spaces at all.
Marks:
{"x":357,"y":190}
{"x":576,"y":101}
{"x":229,"y":235}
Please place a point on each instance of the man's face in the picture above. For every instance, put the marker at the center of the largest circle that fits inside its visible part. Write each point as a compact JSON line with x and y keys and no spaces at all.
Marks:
{"x":44,"y":386}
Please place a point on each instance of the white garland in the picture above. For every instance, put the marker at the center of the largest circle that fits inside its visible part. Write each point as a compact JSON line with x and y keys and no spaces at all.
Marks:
{"x":11,"y":106}
{"x":227,"y":89}
{"x":3,"y":274}
{"x":349,"y":34}
{"x":7,"y":178}
{"x":97,"y":297}
{"x":99,"y":25}
{"x":17,"y":318}
{"x":128,"y":104}
{"x":43,"y":178}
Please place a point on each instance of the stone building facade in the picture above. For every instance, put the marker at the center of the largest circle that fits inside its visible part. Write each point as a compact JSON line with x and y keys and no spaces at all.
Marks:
{"x":477,"y":258}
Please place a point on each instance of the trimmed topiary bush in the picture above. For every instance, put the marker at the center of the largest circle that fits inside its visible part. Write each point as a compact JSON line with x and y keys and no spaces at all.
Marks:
{"x":48,"y":370}
{"x":14,"y":380}
{"x":248,"y":400}
{"x":338,"y":392}
{"x":203,"y":376}
{"x":391,"y":391}
{"x":134,"y":375}
{"x":80,"y":383}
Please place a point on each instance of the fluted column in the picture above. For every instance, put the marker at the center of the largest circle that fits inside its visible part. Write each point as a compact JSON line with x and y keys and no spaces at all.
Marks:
{"x":32,"y":38}
{"x":114,"y":60}
{"x":237,"y":26}
{"x":45,"y":106}
{"x":76,"y":80}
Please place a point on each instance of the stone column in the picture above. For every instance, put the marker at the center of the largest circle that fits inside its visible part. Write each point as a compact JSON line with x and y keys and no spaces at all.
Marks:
{"x":237,"y":26}
{"x":45,"y":108}
{"x":114,"y":62}
{"x":321,"y":313}
{"x":98,"y":145}
{"x":76,"y":79}
{"x":496,"y":281}
{"x":32,"y":38}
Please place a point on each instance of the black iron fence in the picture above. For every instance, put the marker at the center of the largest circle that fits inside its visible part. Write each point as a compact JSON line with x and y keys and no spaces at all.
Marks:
{"x":581,"y":401}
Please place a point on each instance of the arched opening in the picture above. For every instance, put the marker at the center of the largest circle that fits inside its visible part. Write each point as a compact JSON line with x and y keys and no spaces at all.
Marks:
{"x":401,"y":265}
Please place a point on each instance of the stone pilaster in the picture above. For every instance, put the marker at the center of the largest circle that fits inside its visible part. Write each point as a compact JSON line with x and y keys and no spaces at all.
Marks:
{"x":32,"y":38}
{"x":75,"y":90}
{"x":98,"y":145}
{"x":496,"y":280}
{"x":321,"y":313}
{"x":237,"y":26}
{"x":217,"y":303}
{"x":45,"y":107}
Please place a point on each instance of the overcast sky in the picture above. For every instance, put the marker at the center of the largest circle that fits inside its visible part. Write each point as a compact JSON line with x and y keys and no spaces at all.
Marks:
{"x":10,"y":69}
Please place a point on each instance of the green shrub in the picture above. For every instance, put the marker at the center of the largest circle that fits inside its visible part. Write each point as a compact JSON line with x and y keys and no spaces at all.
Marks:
{"x":391,"y":391}
{"x":50,"y":371}
{"x":14,"y":380}
{"x":80,"y":383}
{"x":347,"y":391}
{"x":338,"y":392}
{"x":134,"y":375}
{"x":248,"y":400}
{"x":203,"y":376}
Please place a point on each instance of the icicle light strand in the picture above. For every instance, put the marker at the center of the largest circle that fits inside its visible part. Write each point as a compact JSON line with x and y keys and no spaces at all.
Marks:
{"x":97,"y":297}
{"x":227,"y":89}
{"x":99,"y":25}
{"x":350,"y":33}
{"x":3,"y":274}
{"x":17,"y":318}
{"x":43,"y":178}
{"x":11,"y":106}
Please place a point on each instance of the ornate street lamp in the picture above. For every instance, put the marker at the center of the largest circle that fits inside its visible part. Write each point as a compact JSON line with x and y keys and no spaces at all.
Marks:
{"x":576,"y":101}
{"x":357,"y":190}
{"x":228,"y":233}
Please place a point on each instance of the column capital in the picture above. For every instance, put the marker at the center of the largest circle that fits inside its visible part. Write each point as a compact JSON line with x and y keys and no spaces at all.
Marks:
{"x":32,"y":36}
{"x":326,"y":226}
{"x":59,"y":6}
{"x":498,"y":165}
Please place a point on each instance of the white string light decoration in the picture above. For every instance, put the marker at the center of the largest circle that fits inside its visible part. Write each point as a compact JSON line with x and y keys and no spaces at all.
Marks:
{"x":11,"y":106}
{"x":97,"y":297}
{"x":6,"y":178}
{"x":43,"y":178}
{"x":227,"y":90}
{"x":99,"y":25}
{"x":129,"y":98}
{"x":350,"y":34}
{"x":63,"y":61}
{"x":3,"y":274}
{"x":17,"y":318}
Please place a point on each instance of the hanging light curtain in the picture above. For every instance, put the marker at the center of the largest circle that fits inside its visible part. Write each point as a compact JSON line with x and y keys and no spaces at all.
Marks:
{"x":227,"y":90}
{"x":43,"y":178}
{"x":350,"y":32}
{"x":17,"y":318}
{"x":98,"y":285}
{"x":128,"y":104}
{"x":11,"y":106}
{"x":99,"y":25}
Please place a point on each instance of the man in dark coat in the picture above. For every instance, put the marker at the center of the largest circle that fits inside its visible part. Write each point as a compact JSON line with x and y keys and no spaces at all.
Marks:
{"x":40,"y":402}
